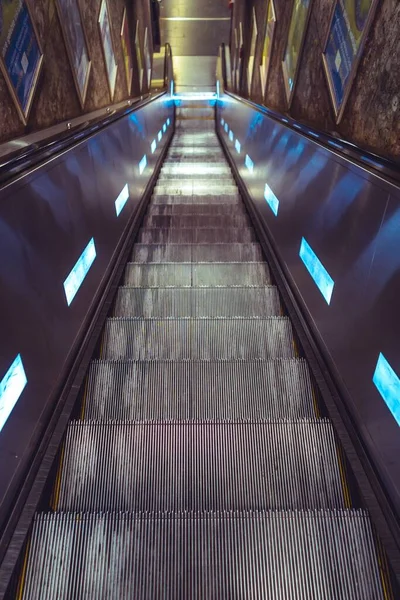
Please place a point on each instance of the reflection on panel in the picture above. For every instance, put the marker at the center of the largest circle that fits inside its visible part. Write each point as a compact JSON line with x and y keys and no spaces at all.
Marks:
{"x":388,"y":385}
{"x":317,"y":270}
{"x":79,"y":271}
{"x":11,"y":387}
{"x":143,"y":164}
{"x":271,"y":199}
{"x":122,"y":200}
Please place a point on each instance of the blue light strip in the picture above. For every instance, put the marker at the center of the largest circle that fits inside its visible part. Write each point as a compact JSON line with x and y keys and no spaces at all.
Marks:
{"x":168,"y":122}
{"x":271,"y":199}
{"x":317,"y":270}
{"x":143,"y":164}
{"x":122,"y":200}
{"x":249,"y":163}
{"x":164,"y":127}
{"x":159,"y":135}
{"x":79,"y":272}
{"x":153,"y":146}
{"x":11,"y":387}
{"x":231,"y":135}
{"x":222,"y":122}
{"x":388,"y":385}
{"x":238,"y":146}
{"x":226,"y":127}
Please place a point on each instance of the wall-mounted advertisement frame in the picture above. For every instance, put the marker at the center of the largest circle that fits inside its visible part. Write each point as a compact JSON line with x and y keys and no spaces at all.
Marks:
{"x":344,"y":44}
{"x":127,"y":50}
{"x":253,"y":45}
{"x":147,"y":58}
{"x":294,"y":46}
{"x":139,"y":60}
{"x":267,"y":48}
{"x":21,"y":55}
{"x":107,"y":45}
{"x":70,"y":16}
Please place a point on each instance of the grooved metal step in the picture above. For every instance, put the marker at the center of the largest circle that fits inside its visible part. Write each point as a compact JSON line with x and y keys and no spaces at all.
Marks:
{"x":276,"y":555}
{"x":196,"y":253}
{"x":186,"y":187}
{"x":199,"y":170}
{"x":196,"y":221}
{"x":196,"y":209}
{"x":185,"y":390}
{"x":197,"y":302}
{"x":158,"y":235}
{"x":197,"y":274}
{"x":129,"y":466}
{"x":232,"y":198}
{"x":198,"y":339}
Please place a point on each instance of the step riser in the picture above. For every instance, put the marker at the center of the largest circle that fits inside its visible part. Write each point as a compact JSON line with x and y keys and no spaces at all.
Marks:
{"x":165,"y":253}
{"x":241,"y":235}
{"x":231,"y":200}
{"x":208,"y":210}
{"x":205,"y":222}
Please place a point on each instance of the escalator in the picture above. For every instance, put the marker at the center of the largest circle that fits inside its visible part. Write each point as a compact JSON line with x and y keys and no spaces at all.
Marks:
{"x":202,"y":465}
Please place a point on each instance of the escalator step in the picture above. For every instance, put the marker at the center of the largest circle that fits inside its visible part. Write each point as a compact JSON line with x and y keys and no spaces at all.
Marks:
{"x":196,"y":209}
{"x":184,"y":187}
{"x":165,"y":199}
{"x":163,"y":390}
{"x":197,"y":274}
{"x":276,"y":555}
{"x":196,"y":253}
{"x":162,"y":466}
{"x":200,"y":170}
{"x":196,"y":221}
{"x":198,"y":339}
{"x":197,"y":302}
{"x":158,"y":235}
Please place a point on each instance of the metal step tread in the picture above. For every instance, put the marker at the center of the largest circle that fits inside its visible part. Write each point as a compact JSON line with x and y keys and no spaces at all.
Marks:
{"x":190,"y":235}
{"x":197,"y":253}
{"x":196,"y":339}
{"x":212,"y":209}
{"x":231,"y":199}
{"x":196,"y":221}
{"x":275,"y":555}
{"x":202,"y":465}
{"x":197,"y":302}
{"x":223,"y":274}
{"x":191,"y":390}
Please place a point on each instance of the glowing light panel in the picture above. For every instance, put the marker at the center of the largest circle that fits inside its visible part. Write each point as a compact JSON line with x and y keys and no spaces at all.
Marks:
{"x":168,"y":122}
{"x":122,"y":200}
{"x":11,"y":387}
{"x":249,"y":163}
{"x":226,"y":127}
{"x":317,"y":270}
{"x":222,"y":121}
{"x":159,"y":135}
{"x":143,"y":164}
{"x":238,"y":146}
{"x":231,"y":135}
{"x":79,"y":272}
{"x":271,"y":199}
{"x":164,"y":127}
{"x":388,"y":385}
{"x":153,"y":146}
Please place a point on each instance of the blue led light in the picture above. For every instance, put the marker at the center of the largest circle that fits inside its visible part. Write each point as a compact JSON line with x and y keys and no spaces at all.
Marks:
{"x":143,"y":164}
{"x":285,"y":120}
{"x":316,"y":135}
{"x":153,"y":146}
{"x":11,"y":387}
{"x":238,"y":146}
{"x":159,"y":135}
{"x":222,"y":121}
{"x":168,"y":122}
{"x":164,"y":127}
{"x":249,"y":163}
{"x":122,"y":200}
{"x":217,"y":88}
{"x":226,"y":127}
{"x":231,"y":135}
{"x":317,"y":270}
{"x":388,"y":385}
{"x":335,"y":145}
{"x":271,"y":199}
{"x":79,"y":272}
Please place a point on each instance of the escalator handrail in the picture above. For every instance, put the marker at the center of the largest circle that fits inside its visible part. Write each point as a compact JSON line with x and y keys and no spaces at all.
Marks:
{"x":386,"y":167}
{"x":26,"y":158}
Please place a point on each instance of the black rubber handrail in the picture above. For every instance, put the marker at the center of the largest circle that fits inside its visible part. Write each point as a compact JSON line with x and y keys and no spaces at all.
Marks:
{"x":26,"y":158}
{"x":389,"y":169}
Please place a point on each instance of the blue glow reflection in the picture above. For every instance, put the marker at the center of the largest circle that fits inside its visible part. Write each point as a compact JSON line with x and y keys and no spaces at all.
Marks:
{"x":222,"y":122}
{"x":317,"y":270}
{"x":164,"y":127}
{"x":271,"y":199}
{"x":238,"y":146}
{"x":226,"y":127}
{"x":79,"y":271}
{"x":168,"y":122}
{"x":231,"y":135}
{"x":249,"y":163}
{"x":11,"y":387}
{"x":143,"y":164}
{"x":159,"y":135}
{"x":153,"y":146}
{"x":388,"y":385}
{"x":122,"y":200}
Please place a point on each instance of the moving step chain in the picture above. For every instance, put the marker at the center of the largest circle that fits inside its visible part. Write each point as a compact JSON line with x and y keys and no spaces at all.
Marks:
{"x":201,"y":467}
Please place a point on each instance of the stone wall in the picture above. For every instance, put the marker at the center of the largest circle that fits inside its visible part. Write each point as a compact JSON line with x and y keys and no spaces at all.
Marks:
{"x":56,"y":98}
{"x":371,"y":117}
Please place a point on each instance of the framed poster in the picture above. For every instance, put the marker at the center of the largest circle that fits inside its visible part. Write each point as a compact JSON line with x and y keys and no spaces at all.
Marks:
{"x":350,"y":22}
{"x":147,"y":58}
{"x":250,"y":66}
{"x":107,"y":46}
{"x":266,"y":55}
{"x":70,"y":16}
{"x":21,"y":55}
{"x":139,"y":60}
{"x":294,"y":45}
{"x":127,"y":51}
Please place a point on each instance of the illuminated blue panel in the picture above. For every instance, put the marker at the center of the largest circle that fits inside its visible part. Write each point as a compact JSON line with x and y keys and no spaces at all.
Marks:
{"x":231,"y":135}
{"x":335,"y":145}
{"x":249,"y":163}
{"x":143,"y":164}
{"x":168,"y":122}
{"x":317,"y":270}
{"x":222,"y":121}
{"x":153,"y":146}
{"x":388,"y":385}
{"x":226,"y":127}
{"x":238,"y":146}
{"x":122,"y":200}
{"x":79,"y":272}
{"x":164,"y":127}
{"x":271,"y":199}
{"x":159,"y":135}
{"x":11,"y":387}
